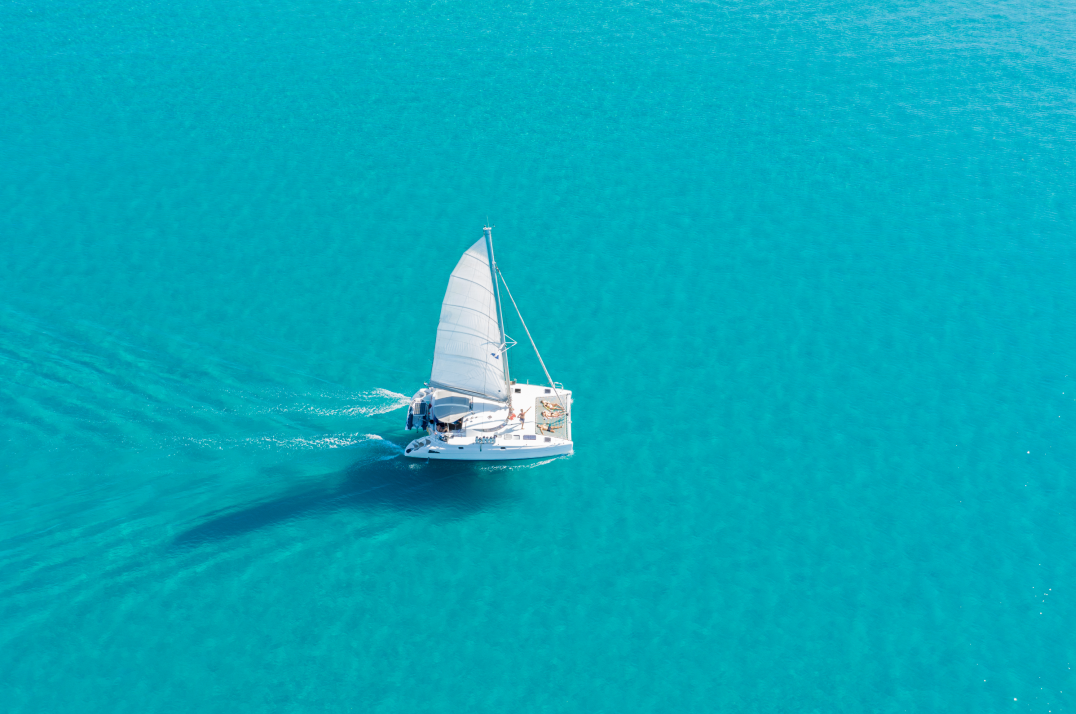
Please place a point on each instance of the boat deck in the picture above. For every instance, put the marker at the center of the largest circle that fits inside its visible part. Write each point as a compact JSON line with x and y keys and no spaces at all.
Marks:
{"x":539,"y":435}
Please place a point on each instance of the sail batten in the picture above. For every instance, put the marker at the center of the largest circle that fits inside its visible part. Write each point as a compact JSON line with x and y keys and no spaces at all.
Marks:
{"x":468,"y":354}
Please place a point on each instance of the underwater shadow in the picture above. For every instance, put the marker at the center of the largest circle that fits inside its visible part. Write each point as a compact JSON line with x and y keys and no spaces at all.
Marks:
{"x":452,"y":490}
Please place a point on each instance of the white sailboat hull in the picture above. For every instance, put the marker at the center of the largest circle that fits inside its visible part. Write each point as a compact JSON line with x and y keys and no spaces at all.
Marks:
{"x":440,"y":451}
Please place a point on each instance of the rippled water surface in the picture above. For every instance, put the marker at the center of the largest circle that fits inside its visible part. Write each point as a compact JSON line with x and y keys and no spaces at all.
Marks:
{"x":808,"y":268}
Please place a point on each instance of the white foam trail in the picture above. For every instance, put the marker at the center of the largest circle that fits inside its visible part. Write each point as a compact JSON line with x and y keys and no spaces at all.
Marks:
{"x":296,"y":443}
{"x":384,"y":401}
{"x":513,"y":467}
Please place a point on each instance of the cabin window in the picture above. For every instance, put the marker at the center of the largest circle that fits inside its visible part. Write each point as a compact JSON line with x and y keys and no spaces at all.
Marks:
{"x":547,"y":391}
{"x":548,"y":439}
{"x":529,"y":437}
{"x":519,"y":391}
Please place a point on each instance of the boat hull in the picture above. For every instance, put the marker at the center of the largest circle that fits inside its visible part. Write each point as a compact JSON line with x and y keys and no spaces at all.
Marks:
{"x":449,"y":451}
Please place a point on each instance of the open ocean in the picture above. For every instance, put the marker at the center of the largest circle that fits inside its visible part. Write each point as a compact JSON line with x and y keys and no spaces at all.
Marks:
{"x":808,"y":267}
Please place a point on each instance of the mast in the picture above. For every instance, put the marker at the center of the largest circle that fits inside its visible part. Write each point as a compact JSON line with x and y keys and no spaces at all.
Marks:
{"x":488,"y":230}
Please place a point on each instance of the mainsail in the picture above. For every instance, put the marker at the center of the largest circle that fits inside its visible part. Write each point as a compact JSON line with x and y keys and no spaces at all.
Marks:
{"x":469,"y":354}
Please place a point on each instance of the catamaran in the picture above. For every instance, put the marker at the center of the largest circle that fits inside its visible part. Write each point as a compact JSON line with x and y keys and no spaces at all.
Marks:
{"x":471,"y":409}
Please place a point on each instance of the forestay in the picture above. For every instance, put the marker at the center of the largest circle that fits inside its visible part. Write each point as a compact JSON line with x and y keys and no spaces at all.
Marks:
{"x":468,"y":354}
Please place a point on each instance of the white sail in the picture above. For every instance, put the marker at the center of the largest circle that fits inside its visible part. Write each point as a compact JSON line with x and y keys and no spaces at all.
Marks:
{"x":468,"y":355}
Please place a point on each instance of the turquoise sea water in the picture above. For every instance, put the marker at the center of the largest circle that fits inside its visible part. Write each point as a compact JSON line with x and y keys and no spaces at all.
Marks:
{"x":808,"y":268}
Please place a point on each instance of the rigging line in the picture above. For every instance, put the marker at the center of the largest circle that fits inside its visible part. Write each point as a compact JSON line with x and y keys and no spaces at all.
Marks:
{"x":559,"y":400}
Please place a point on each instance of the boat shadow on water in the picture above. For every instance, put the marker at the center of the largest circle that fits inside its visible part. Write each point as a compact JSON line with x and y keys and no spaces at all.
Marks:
{"x":394,"y":485}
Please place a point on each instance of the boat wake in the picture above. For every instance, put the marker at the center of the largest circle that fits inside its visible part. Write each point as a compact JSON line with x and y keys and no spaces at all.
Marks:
{"x":297,"y":443}
{"x":371,"y":403}
{"x":518,"y":466}
{"x":313,"y":426}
